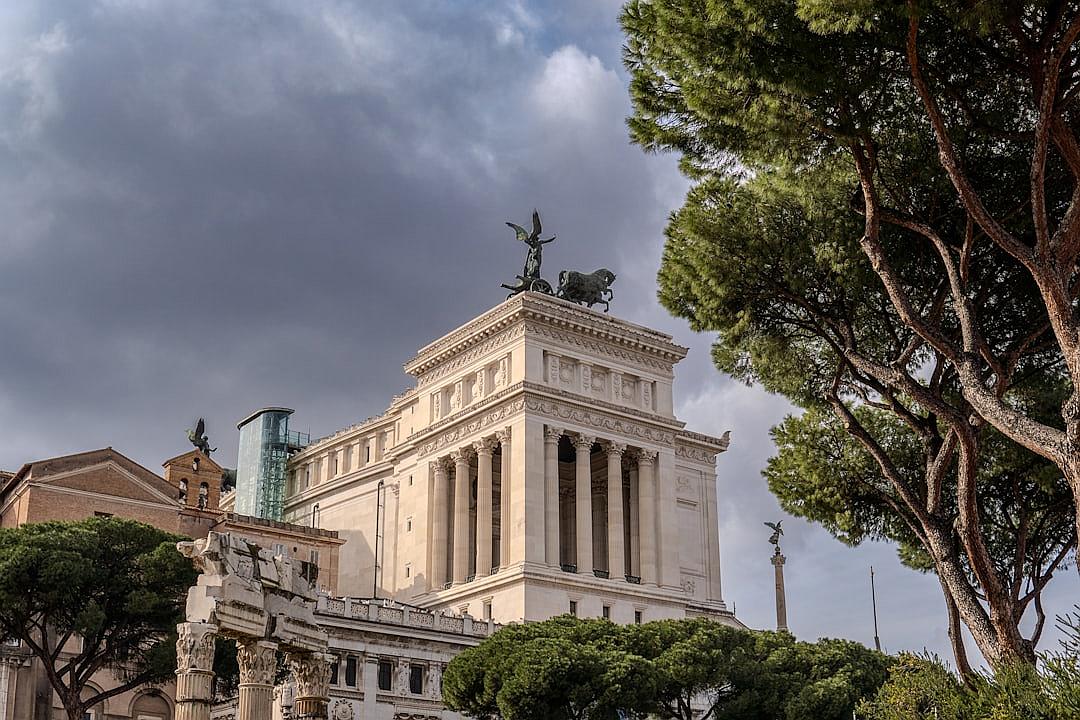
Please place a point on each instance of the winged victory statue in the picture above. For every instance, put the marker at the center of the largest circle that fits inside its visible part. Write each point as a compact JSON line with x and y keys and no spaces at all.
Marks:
{"x":530,"y":276}
{"x":778,"y":531}
{"x":199,"y":439}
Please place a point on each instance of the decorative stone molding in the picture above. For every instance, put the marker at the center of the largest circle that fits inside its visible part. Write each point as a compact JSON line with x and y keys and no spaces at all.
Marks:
{"x":342,"y":710}
{"x":257,"y":661}
{"x":603,"y":348}
{"x":195,"y":646}
{"x":442,"y":370}
{"x":619,"y":407}
{"x":451,"y":438}
{"x":605,"y":423}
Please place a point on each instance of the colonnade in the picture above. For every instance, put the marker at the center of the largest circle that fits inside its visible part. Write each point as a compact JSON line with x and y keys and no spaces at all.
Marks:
{"x":466,"y":554}
{"x":257,"y":661}
{"x":626,"y":533}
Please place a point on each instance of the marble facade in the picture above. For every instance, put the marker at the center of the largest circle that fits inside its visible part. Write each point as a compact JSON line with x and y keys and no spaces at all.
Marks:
{"x":535,"y":468}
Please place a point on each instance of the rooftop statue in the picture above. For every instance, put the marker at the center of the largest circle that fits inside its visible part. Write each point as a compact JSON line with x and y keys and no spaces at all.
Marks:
{"x":530,"y":276}
{"x":587,"y":288}
{"x":199,"y":440}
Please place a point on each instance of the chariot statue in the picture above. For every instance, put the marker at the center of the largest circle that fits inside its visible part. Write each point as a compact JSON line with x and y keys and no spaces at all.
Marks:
{"x":587,"y":288}
{"x":530,"y":276}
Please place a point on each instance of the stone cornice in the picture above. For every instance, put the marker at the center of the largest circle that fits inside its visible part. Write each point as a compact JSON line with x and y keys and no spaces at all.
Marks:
{"x":588,"y":401}
{"x":554,"y":313}
{"x":605,"y":424}
{"x":320,"y":444}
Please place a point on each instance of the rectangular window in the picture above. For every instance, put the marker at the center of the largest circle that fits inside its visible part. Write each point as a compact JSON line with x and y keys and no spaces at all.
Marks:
{"x":279,"y":549}
{"x":637,"y":617}
{"x":314,"y":558}
{"x":307,"y":477}
{"x":408,"y":524}
{"x":386,"y":675}
{"x":335,"y":465}
{"x":487,"y":610}
{"x":367,"y":453}
{"x":334,"y":670}
{"x":408,"y":570}
{"x":573,"y":608}
{"x":350,"y":671}
{"x":410,"y":481}
{"x":416,"y":679}
{"x":607,"y":612}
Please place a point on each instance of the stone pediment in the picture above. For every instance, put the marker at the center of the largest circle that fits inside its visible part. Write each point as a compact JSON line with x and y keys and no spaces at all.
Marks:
{"x":110,"y":478}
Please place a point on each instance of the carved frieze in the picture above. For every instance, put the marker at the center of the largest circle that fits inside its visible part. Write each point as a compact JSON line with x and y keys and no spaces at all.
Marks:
{"x":452,"y":438}
{"x":598,"y":348}
{"x":464,"y":358}
{"x":607,"y":424}
{"x":342,"y":710}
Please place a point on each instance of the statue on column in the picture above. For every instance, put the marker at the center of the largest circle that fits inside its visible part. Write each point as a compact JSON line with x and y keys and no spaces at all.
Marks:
{"x":778,"y":531}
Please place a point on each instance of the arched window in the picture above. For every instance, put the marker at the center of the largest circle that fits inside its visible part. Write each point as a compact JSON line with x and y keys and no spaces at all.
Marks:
{"x":204,"y":495}
{"x":315,"y":516}
{"x":183,"y":490}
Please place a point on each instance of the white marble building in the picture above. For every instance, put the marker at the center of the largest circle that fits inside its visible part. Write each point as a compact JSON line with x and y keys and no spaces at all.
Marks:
{"x":536,"y":468}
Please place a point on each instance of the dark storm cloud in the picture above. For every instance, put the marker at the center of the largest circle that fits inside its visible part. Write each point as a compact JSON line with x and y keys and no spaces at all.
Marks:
{"x":210,"y":207}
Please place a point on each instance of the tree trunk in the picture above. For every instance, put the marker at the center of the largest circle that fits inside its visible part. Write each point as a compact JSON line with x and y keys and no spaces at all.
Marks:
{"x":956,"y":636}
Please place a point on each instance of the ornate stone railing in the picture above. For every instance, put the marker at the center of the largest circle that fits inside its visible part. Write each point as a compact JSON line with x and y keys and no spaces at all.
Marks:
{"x":388,"y":612}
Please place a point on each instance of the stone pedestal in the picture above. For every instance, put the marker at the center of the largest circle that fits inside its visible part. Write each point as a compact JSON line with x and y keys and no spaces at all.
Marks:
{"x":194,"y":670}
{"x":311,"y":671}
{"x":258,"y":662}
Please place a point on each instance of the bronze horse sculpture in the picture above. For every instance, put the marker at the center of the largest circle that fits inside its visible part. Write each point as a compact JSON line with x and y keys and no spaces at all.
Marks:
{"x":587,"y":288}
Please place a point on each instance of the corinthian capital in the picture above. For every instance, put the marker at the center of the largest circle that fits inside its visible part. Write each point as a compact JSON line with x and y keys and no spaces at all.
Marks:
{"x":584,"y":442}
{"x":484,"y":446}
{"x":257,"y":661}
{"x":461,"y":455}
{"x":614,"y":448}
{"x":195,"y":646}
{"x":552,"y":434}
{"x":312,"y":673}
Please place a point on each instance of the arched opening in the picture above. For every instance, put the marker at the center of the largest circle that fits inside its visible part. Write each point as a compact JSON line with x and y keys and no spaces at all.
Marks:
{"x":204,"y":495}
{"x":182,"y":495}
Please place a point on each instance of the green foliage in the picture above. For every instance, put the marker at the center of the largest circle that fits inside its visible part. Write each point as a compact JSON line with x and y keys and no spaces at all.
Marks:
{"x":921,"y":688}
{"x":679,"y":669}
{"x":118,"y":584}
{"x":771,"y":105}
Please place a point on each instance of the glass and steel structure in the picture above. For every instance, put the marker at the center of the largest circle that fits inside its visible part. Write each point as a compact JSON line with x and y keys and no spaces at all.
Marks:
{"x":265,"y":444}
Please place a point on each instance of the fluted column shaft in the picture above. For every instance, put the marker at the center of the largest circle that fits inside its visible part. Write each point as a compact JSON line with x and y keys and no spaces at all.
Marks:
{"x":484,"y":450}
{"x":462,"y":483}
{"x":194,"y":670}
{"x":503,"y":436}
{"x":551,"y":495}
{"x":647,"y":509}
{"x":583,"y":444}
{"x":311,"y":671}
{"x":257,"y":662}
{"x":616,"y":556}
{"x":440,"y":524}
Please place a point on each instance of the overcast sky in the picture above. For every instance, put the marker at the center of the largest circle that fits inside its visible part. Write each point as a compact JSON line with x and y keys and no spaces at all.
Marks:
{"x":209,"y":207}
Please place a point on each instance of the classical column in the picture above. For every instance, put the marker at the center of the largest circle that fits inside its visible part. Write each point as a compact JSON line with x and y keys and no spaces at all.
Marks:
{"x":484,"y":449}
{"x":257,"y":662}
{"x":194,"y":670}
{"x":551,"y":494}
{"x":583,"y":444}
{"x":781,"y":597}
{"x":634,"y":513}
{"x":616,"y":558}
{"x":462,"y":483}
{"x":312,"y":674}
{"x":503,"y":436}
{"x":647,"y":510}
{"x":440,"y":524}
